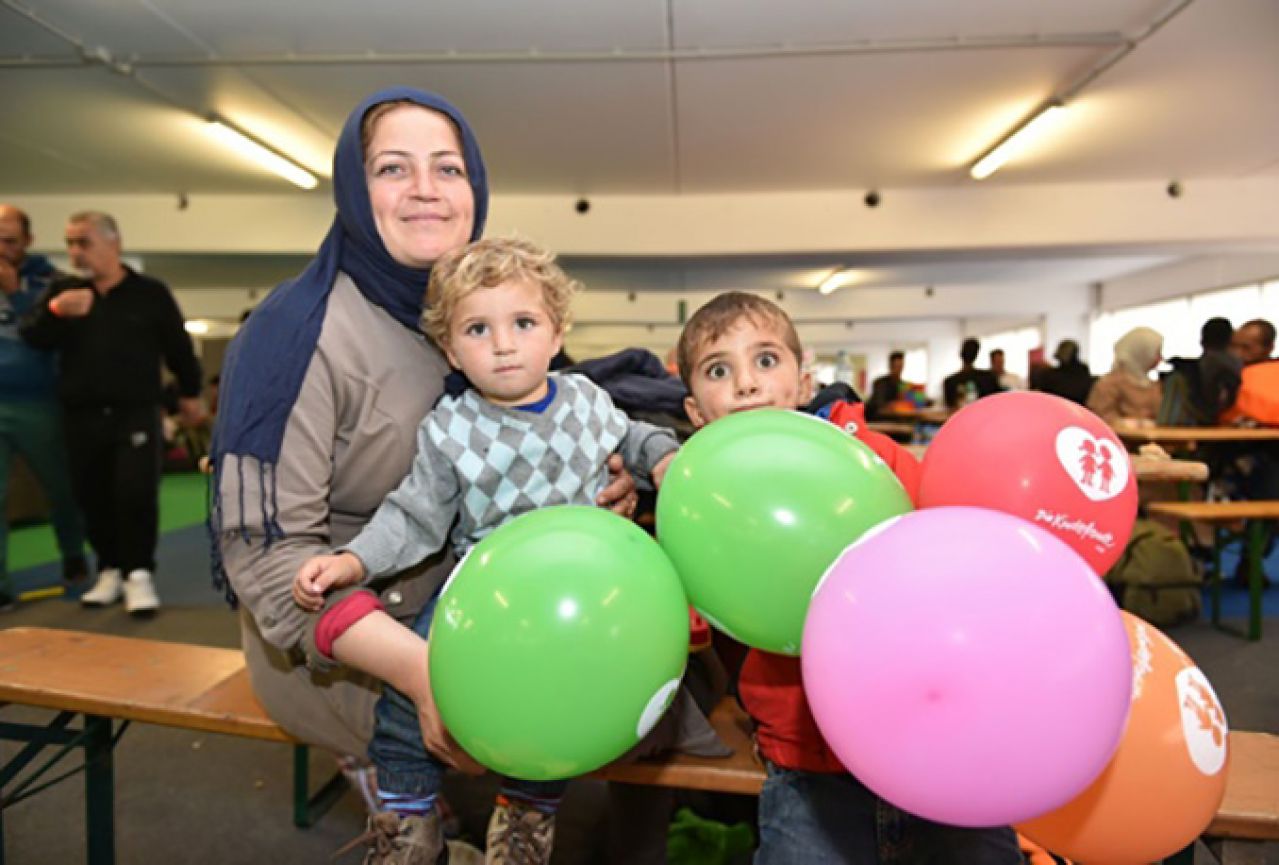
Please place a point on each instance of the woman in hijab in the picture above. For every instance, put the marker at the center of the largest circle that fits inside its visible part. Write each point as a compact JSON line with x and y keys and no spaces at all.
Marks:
{"x":322,"y":392}
{"x":1127,"y":395}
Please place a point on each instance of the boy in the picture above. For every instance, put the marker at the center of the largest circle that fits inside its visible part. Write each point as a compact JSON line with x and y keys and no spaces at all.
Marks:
{"x":516,"y":440}
{"x":741,"y":352}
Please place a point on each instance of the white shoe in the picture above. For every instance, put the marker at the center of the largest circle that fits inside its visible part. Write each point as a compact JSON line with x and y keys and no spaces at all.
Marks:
{"x":106,"y":591}
{"x":139,"y":593}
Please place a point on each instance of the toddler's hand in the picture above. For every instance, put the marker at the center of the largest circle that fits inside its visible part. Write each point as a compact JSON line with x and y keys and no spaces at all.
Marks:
{"x":322,"y":573}
{"x":659,"y":470}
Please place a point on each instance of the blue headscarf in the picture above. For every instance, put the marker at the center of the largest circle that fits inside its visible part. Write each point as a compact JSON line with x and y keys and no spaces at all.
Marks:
{"x":267,"y":361}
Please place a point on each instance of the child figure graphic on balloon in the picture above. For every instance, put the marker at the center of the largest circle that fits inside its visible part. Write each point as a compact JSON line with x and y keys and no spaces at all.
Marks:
{"x":740,"y":352}
{"x":515,"y":440}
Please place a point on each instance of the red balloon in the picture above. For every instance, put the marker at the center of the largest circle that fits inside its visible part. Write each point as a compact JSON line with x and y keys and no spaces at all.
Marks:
{"x":1042,"y":458}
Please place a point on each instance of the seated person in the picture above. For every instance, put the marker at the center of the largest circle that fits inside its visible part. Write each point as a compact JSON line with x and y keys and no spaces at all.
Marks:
{"x":498,"y":309}
{"x":1127,"y":395}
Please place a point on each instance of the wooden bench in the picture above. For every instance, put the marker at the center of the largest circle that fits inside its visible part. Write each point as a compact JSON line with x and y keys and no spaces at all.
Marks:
{"x":107,"y":679}
{"x":1220,"y":515}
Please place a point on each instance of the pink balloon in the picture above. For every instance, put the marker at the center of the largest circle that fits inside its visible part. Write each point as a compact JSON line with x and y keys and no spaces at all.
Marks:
{"x":967,"y":666}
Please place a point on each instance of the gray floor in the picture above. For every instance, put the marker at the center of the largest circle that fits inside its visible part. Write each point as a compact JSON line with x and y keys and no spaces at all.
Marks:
{"x":194,"y":798}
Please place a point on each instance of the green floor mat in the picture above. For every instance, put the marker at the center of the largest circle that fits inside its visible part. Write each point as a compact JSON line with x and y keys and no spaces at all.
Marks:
{"x":182,"y":504}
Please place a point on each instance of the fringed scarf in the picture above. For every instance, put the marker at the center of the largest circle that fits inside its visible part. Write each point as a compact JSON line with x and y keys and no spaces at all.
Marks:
{"x":267,"y":361}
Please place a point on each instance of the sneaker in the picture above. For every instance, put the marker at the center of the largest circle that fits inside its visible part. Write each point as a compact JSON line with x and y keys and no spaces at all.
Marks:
{"x":75,"y":570}
{"x":519,"y":834}
{"x":397,"y":840}
{"x":140,"y":598}
{"x":461,"y":853}
{"x":106,"y":591}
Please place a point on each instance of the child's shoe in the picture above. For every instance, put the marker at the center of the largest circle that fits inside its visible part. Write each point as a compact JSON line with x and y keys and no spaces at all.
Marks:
{"x":398,"y":840}
{"x":519,"y":834}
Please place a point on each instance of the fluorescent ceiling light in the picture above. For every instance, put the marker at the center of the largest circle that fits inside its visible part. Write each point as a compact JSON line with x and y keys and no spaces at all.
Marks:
{"x":262,"y":154}
{"x":1016,"y":141}
{"x":197,"y":326}
{"x":838,"y":279}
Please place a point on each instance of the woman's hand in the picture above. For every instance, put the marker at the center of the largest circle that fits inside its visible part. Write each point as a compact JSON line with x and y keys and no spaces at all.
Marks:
{"x":620,"y":495}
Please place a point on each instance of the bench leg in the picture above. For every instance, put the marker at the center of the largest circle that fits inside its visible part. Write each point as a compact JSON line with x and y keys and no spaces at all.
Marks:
{"x":1218,"y":541}
{"x":99,"y":790}
{"x":308,"y":809}
{"x":1256,"y":544}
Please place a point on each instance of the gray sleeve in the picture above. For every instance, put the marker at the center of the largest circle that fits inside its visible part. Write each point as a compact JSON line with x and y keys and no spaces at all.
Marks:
{"x":413,"y":522}
{"x":644,"y":445}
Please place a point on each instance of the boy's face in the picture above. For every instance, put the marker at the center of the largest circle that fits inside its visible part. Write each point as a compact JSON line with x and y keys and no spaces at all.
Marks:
{"x":748,"y":367}
{"x":503,"y":338}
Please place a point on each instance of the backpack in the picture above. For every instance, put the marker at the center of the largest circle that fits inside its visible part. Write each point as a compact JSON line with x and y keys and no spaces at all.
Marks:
{"x":1182,"y":402}
{"x":1155,"y":579}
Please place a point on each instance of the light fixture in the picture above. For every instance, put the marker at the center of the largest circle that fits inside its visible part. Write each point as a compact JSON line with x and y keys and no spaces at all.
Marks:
{"x":263,"y":154}
{"x":1016,"y":141}
{"x":839,"y":278}
{"x":196,"y":326}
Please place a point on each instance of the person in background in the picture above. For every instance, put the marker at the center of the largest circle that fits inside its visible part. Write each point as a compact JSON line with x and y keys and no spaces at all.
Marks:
{"x":30,"y":417}
{"x":1007,"y":380}
{"x":1070,"y":378}
{"x":1127,"y":395}
{"x":970,"y":383}
{"x":891,"y":389}
{"x":112,"y":329}
{"x":740,"y":352}
{"x":1254,"y":341}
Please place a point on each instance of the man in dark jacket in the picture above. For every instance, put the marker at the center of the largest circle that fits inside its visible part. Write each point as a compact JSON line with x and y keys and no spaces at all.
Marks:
{"x":112,"y":328}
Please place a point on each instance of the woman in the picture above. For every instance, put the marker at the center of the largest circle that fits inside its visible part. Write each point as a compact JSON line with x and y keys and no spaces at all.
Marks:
{"x":1127,"y":395}
{"x":322,"y":392}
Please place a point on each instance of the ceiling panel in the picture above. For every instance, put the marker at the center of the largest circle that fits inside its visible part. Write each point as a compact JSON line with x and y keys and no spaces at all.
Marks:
{"x":721,"y":23}
{"x":19,"y":37}
{"x":855,"y":121}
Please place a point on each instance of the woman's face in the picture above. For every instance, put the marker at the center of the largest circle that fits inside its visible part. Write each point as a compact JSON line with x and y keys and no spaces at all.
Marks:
{"x":421,"y":198}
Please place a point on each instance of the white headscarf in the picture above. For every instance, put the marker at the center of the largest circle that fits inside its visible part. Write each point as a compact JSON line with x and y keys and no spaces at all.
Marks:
{"x":1136,"y":353}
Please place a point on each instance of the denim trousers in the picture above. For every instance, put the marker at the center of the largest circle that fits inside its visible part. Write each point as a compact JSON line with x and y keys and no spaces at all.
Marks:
{"x":34,"y":430}
{"x":404,"y":766}
{"x":807,"y":818}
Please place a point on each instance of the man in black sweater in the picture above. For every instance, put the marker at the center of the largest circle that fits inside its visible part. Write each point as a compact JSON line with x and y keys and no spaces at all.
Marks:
{"x":112,"y":327}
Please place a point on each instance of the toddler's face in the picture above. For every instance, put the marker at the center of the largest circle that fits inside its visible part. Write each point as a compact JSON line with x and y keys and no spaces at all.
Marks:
{"x":748,"y":367}
{"x":503,"y":338}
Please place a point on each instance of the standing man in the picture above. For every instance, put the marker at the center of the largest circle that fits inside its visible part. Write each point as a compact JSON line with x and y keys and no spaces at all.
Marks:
{"x":1006,"y":380}
{"x":30,"y":417}
{"x":970,"y":382}
{"x":111,"y":329}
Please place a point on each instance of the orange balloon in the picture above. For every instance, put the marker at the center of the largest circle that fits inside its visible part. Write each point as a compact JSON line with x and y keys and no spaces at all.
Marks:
{"x":1166,"y":780}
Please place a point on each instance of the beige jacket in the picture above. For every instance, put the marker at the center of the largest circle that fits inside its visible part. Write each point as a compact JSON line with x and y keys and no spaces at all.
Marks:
{"x":1116,"y":395}
{"x":349,"y":441}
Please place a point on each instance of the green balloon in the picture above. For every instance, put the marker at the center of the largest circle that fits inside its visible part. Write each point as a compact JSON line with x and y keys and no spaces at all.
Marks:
{"x":755,"y":508}
{"x":558,"y":643}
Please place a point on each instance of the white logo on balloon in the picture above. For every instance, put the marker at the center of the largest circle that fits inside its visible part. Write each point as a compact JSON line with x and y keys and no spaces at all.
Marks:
{"x":1203,"y":721}
{"x":657,"y":705}
{"x":1099,"y":467}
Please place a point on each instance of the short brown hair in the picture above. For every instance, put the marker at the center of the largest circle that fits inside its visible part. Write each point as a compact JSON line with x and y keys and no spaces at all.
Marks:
{"x":487,"y":264}
{"x":723,"y":313}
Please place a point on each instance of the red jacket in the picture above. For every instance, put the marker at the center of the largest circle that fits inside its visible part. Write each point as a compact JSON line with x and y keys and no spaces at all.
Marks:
{"x":769,"y":685}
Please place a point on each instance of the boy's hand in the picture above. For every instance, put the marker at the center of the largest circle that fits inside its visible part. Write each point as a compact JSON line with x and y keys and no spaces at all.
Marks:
{"x":659,"y":470}
{"x":322,"y":573}
{"x":620,"y":495}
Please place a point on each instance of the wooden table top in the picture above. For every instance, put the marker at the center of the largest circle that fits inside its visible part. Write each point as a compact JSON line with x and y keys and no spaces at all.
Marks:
{"x":173,"y":684}
{"x":1223,"y":512}
{"x":1250,"y":808}
{"x":1190,"y":435}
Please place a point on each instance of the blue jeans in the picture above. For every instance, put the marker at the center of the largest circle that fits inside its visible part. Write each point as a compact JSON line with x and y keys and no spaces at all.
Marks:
{"x":812,"y":818}
{"x":404,"y":766}
{"x":34,"y":429}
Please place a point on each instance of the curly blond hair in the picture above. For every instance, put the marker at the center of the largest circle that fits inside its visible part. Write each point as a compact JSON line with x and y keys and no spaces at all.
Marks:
{"x":487,"y":264}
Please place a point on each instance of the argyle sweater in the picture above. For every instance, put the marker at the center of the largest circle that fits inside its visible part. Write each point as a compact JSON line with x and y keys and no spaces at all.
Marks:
{"x":482,"y":465}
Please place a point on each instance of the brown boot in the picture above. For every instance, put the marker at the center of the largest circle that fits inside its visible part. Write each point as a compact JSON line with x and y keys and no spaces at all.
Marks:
{"x":519,"y":834}
{"x":397,"y":840}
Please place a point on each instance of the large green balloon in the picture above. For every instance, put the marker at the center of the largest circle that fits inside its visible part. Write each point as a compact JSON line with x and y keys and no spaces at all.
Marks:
{"x":754,"y":509}
{"x":558,"y":643}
